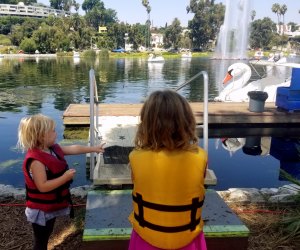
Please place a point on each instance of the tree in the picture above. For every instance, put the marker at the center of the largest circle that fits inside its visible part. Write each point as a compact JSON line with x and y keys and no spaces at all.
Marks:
{"x":136,"y":35}
{"x":148,"y":22}
{"x":253,"y":14}
{"x":206,"y":22}
{"x":262,"y":33}
{"x":276,"y":10}
{"x":63,"y":4}
{"x":116,"y":34}
{"x":293,"y":26}
{"x":282,"y":11}
{"x":89,"y":5}
{"x":97,"y":15}
{"x":28,"y":45}
{"x":173,"y":34}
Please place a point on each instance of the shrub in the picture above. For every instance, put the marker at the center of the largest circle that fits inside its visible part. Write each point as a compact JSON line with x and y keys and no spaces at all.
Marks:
{"x":28,"y":45}
{"x":89,"y":53}
{"x":4,"y":40}
{"x":104,"y":53}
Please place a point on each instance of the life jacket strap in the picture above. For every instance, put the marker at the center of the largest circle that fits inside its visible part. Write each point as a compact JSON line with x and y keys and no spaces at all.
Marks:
{"x":167,"y":208}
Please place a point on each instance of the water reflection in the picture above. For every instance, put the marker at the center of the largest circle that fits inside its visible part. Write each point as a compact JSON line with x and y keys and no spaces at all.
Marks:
{"x":285,"y":150}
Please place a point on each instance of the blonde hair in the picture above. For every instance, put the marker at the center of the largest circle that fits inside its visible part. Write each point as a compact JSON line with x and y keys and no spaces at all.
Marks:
{"x":167,"y":122}
{"x":32,"y":131}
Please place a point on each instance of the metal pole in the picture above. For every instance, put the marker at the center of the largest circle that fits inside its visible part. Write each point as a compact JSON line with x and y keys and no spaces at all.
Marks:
{"x":205,"y":106}
{"x":92,"y":126}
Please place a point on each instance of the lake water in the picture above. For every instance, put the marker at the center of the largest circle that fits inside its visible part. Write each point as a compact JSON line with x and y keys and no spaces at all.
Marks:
{"x":48,"y":86}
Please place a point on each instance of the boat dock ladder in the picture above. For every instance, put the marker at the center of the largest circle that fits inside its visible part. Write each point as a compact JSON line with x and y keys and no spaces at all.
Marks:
{"x":118,"y":132}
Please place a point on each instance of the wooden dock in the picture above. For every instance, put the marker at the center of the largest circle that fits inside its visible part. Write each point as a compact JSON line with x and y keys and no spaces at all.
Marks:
{"x":223,"y":118}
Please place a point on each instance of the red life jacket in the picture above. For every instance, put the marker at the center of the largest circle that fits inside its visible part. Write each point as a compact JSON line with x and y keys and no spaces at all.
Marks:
{"x":56,"y":166}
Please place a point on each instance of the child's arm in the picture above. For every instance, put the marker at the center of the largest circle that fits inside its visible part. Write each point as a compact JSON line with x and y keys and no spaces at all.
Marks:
{"x":40,"y":178}
{"x":80,"y":149}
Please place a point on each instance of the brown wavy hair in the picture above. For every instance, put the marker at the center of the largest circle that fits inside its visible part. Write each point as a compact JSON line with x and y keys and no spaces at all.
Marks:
{"x":167,"y":122}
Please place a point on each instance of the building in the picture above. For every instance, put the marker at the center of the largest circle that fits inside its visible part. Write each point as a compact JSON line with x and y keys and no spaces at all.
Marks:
{"x":23,"y":10}
{"x":287,"y":30}
{"x":156,"y":40}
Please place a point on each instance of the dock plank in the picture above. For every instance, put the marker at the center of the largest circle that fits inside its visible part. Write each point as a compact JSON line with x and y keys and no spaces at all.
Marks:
{"x":219,"y":113}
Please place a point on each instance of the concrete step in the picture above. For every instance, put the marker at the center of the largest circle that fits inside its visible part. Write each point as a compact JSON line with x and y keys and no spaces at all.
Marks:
{"x":107,"y":225}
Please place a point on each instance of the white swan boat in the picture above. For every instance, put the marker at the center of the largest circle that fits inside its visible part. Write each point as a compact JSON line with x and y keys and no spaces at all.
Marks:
{"x":76,"y":54}
{"x":258,"y":54}
{"x":237,"y":89}
{"x":277,"y":59}
{"x":186,"y":55}
{"x":154,"y":58}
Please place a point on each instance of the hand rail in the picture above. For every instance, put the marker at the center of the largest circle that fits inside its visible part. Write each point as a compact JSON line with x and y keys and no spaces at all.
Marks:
{"x":205,"y":107}
{"x":93,"y":116}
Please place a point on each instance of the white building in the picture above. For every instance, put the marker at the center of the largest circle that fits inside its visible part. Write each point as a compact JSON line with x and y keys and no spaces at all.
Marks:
{"x":287,"y":30}
{"x":157,"y":40}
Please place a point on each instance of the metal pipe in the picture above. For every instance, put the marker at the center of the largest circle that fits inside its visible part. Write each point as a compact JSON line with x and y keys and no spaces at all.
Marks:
{"x":205,"y":106}
{"x":92,"y":125}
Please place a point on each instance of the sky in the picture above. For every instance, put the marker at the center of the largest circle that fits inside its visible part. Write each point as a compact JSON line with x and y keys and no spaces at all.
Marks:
{"x":164,"y":11}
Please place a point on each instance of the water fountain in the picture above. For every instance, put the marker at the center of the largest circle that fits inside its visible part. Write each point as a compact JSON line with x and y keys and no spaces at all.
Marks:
{"x":233,"y":37}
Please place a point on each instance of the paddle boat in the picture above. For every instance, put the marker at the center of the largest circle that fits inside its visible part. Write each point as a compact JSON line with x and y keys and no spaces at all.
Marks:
{"x":186,"y":54}
{"x":274,"y":59}
{"x":258,"y":54}
{"x":237,"y":84}
{"x":76,"y":54}
{"x":155,"y":58}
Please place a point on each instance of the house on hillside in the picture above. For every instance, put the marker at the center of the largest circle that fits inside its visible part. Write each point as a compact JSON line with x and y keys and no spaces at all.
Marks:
{"x":287,"y":30}
{"x":156,"y":40}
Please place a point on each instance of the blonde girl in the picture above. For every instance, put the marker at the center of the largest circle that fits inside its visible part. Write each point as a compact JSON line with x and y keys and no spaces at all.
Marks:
{"x":47,"y":175}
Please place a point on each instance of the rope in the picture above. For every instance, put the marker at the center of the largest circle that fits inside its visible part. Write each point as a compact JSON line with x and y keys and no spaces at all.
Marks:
{"x":24,"y":205}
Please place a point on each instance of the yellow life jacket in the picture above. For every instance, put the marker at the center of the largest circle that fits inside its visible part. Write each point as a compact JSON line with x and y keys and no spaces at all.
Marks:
{"x":168,"y":195}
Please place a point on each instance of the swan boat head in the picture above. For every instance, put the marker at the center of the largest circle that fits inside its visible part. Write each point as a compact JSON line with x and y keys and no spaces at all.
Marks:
{"x":238,"y":75}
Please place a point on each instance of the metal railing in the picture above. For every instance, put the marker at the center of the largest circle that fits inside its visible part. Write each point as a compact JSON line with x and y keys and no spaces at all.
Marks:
{"x":205,"y":106}
{"x":94,"y":111}
{"x":94,"y":121}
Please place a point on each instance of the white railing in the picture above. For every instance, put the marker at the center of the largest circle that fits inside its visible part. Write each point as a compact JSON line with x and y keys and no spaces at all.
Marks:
{"x":29,"y":10}
{"x":94,"y":111}
{"x":205,"y":106}
{"x":94,"y":121}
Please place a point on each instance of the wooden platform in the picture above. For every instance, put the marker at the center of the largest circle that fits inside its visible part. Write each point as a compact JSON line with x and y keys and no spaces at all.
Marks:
{"x":224,"y":118}
{"x":219,"y":113}
{"x":107,"y":225}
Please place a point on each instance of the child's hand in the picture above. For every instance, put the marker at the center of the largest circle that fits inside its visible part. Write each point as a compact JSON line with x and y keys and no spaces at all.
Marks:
{"x":70,"y":173}
{"x":99,"y":148}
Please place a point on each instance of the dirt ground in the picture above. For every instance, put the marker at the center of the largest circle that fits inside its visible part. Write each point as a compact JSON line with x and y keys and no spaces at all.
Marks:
{"x":16,"y":232}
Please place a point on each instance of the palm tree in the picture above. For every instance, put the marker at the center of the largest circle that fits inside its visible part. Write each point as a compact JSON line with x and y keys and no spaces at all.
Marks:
{"x":148,"y":9}
{"x":276,"y":10}
{"x":283,"y":10}
{"x":253,"y":14}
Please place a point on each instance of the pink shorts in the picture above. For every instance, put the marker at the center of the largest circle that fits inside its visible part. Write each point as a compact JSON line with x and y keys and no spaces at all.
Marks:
{"x":137,"y":243}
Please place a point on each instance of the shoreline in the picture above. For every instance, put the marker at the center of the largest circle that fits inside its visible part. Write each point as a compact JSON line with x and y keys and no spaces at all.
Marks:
{"x":283,"y":194}
{"x":29,"y":55}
